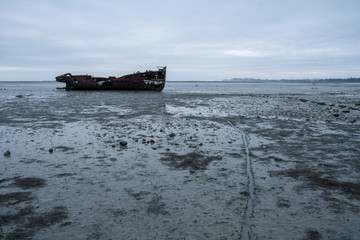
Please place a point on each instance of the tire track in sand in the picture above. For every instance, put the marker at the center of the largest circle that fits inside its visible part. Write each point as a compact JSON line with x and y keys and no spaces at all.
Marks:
{"x":249,"y":207}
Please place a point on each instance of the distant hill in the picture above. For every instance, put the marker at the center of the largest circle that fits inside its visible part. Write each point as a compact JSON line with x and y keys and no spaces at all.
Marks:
{"x":326,"y":80}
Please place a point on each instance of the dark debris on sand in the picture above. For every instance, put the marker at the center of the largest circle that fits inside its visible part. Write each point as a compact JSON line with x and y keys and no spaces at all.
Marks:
{"x":29,"y":222}
{"x":314,"y":179}
{"x":29,"y":182}
{"x":190,"y":161}
{"x":15,"y":197}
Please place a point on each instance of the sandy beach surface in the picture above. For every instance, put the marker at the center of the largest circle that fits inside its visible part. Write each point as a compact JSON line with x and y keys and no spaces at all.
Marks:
{"x":196,"y":161}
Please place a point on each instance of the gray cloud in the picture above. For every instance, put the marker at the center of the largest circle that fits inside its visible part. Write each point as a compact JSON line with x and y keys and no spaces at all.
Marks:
{"x":198,"y":40}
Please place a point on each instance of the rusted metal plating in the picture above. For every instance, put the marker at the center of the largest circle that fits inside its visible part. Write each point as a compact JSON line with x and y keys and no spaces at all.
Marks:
{"x":148,"y":81}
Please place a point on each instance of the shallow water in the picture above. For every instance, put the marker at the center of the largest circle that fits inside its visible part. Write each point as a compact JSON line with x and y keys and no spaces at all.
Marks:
{"x":184,"y":173}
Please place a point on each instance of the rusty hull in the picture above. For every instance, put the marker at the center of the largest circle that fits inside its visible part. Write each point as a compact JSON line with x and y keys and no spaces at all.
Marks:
{"x":146,"y":81}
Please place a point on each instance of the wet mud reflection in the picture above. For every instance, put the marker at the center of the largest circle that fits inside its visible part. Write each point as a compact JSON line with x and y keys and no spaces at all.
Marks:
{"x":208,"y":162}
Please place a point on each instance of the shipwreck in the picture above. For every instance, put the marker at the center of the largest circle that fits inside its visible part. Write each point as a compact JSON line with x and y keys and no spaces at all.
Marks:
{"x":142,"y":81}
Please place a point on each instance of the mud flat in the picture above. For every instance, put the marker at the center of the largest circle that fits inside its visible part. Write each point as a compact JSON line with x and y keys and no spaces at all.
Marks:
{"x":197,"y":161}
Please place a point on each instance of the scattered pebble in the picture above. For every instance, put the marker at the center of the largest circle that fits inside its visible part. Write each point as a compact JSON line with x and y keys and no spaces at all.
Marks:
{"x":7,"y":153}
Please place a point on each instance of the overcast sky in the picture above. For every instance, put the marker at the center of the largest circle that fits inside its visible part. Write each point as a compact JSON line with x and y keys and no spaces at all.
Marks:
{"x":196,"y":39}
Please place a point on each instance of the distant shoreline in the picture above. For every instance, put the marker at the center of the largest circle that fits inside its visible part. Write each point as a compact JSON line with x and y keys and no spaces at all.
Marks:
{"x":22,"y":81}
{"x":234,"y":80}
{"x":327,"y":80}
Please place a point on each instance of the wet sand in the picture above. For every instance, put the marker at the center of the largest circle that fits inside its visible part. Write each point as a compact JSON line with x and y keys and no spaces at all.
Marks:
{"x":189,"y":164}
